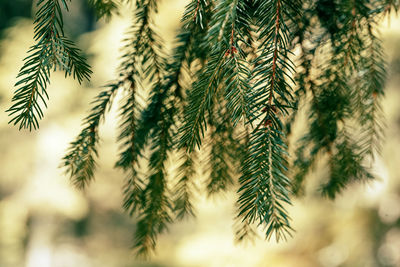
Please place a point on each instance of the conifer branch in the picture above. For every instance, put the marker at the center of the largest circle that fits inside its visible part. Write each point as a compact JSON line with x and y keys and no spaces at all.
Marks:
{"x":156,"y":214}
{"x":238,"y":56}
{"x":265,"y":187}
{"x":222,"y":148}
{"x":387,"y":6}
{"x":372,"y":84}
{"x":215,"y":71}
{"x":244,"y":230}
{"x":346,"y":91}
{"x":182,"y":201}
{"x":264,"y":190}
{"x":199,"y":101}
{"x":51,"y":51}
{"x":163,"y":108}
{"x":130,"y":67}
{"x":80,"y":160}
{"x":236,"y":70}
{"x":345,"y":167}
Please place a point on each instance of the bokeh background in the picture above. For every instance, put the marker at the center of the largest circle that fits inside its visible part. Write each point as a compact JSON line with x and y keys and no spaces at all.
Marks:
{"x":46,"y":222}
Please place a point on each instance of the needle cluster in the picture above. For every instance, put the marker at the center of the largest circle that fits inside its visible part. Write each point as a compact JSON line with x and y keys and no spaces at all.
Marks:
{"x":226,"y":97}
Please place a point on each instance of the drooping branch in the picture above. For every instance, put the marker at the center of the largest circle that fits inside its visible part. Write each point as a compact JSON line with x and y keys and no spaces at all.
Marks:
{"x":51,"y":51}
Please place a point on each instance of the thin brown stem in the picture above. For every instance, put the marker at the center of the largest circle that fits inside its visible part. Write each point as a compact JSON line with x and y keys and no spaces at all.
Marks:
{"x":274,"y":63}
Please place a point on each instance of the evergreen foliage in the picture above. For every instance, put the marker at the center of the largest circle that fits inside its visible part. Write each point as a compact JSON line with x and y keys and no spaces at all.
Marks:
{"x":51,"y":51}
{"x":231,"y":88}
{"x":104,"y":8}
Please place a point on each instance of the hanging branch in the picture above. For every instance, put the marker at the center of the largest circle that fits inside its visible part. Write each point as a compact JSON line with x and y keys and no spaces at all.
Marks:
{"x":373,"y":84}
{"x":346,"y":167}
{"x":51,"y":51}
{"x":230,"y":78}
{"x":104,"y":8}
{"x":80,"y":160}
{"x":205,"y":87}
{"x":265,"y":187}
{"x":223,"y":148}
{"x":183,"y":189}
{"x":345,"y":91}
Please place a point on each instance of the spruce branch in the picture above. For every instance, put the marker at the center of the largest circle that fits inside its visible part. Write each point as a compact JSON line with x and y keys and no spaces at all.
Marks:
{"x":51,"y":51}
{"x":346,"y":91}
{"x":80,"y":159}
{"x":199,"y":101}
{"x":127,"y":137}
{"x":264,"y":188}
{"x":244,"y":228}
{"x":133,"y":190}
{"x":232,"y":86}
{"x":244,"y":231}
{"x":204,"y":89}
{"x":161,"y":112}
{"x":236,"y":70}
{"x":155,"y":216}
{"x":222,"y":146}
{"x":372,"y":87}
{"x":130,"y":68}
{"x":156,"y":213}
{"x":345,"y":167}
{"x":183,"y":206}
{"x":387,"y":6}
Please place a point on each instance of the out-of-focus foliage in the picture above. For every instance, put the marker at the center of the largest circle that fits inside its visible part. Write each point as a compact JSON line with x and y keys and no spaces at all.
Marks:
{"x":104,"y":8}
{"x":245,"y":90}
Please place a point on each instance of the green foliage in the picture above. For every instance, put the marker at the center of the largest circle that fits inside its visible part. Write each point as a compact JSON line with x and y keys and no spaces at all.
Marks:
{"x":232,"y":86}
{"x":51,"y":51}
{"x":81,"y":158}
{"x":104,"y":8}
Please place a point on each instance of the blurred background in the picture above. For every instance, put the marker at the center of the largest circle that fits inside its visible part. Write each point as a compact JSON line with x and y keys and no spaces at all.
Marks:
{"x":46,"y":222}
